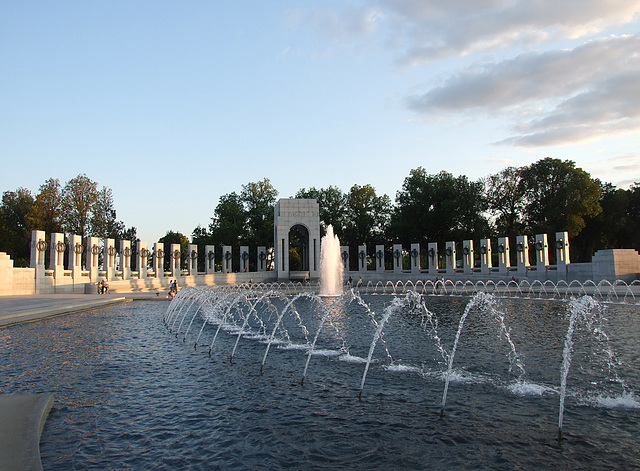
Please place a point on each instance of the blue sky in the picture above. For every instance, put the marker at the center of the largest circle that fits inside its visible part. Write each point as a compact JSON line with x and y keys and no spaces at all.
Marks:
{"x":173,"y":104}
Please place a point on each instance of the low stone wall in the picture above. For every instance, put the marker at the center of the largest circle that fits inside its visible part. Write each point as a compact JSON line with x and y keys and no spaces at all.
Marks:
{"x":610,"y":265}
{"x":161,"y":285}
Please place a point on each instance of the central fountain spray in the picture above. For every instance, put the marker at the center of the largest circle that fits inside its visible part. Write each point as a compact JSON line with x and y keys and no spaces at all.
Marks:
{"x":331,"y":268}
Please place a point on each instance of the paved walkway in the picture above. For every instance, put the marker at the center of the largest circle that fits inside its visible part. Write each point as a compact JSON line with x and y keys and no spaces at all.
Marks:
{"x":17,"y":309}
{"x":22,"y":417}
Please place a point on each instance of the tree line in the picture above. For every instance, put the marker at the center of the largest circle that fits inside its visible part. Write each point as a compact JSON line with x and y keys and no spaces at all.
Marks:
{"x":79,"y":207}
{"x":547,"y":196}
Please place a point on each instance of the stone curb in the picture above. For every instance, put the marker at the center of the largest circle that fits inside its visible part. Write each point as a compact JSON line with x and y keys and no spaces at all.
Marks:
{"x":22,"y":419}
{"x":10,"y":319}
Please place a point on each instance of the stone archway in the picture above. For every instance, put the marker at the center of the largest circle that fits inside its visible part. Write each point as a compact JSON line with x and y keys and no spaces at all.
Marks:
{"x":297,"y":220}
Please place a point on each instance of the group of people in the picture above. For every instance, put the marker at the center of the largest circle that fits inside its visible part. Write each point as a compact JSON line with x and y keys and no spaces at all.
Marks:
{"x":103,"y":287}
{"x":173,"y":288}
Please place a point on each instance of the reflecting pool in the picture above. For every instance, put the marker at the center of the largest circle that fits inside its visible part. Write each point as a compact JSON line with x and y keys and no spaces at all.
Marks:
{"x":134,"y":393}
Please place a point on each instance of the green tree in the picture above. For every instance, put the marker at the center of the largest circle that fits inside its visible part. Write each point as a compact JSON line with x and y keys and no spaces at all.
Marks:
{"x":438,"y":208}
{"x":15,"y":230}
{"x":79,"y":196}
{"x":558,"y":196}
{"x":259,"y":200}
{"x":617,"y":226}
{"x":201,"y":237}
{"x":46,"y":211}
{"x":172,"y":237}
{"x":104,"y":222}
{"x":333,"y":207}
{"x":367,"y":215}
{"x":633,"y":218}
{"x":505,"y":201}
{"x":228,"y":226}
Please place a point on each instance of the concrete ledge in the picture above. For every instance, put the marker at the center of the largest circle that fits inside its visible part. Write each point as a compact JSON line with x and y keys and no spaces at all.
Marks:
{"x":29,"y":309}
{"x":22,"y":419}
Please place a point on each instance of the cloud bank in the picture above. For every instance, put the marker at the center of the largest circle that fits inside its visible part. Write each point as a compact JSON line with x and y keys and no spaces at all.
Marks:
{"x":559,"y":72}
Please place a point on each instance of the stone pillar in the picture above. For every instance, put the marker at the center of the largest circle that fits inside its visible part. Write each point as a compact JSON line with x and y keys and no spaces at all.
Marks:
{"x":57,"y":249}
{"x":175,"y":260}
{"x":93,"y":258}
{"x":397,"y":258}
{"x":362,"y":258}
{"x":143,"y":256}
{"x":379,"y":258}
{"x":468,"y":260}
{"x":192,"y":261}
{"x":522,"y":249}
{"x":485,"y":256}
{"x":244,"y":258}
{"x":542,"y":253}
{"x":262,"y":259}
{"x":227,"y":259}
{"x":562,"y":248}
{"x":38,"y":248}
{"x":504,"y":255}
{"x":281,"y":252}
{"x":75,"y":256}
{"x":209,"y":259}
{"x":562,"y":253}
{"x":344,"y":254}
{"x":450,"y":257}
{"x":109,"y":258}
{"x":432,"y":251}
{"x":158,"y":259}
{"x":414,"y":255}
{"x":125,"y":259}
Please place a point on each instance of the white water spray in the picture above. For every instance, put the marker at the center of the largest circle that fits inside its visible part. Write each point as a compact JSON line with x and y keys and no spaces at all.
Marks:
{"x":331,"y":268}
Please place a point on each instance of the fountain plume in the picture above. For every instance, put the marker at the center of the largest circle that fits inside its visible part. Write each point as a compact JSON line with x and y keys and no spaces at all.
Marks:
{"x":331,"y":269}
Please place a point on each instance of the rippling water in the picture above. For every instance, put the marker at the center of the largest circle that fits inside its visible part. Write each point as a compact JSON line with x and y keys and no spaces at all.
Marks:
{"x":130,"y":395}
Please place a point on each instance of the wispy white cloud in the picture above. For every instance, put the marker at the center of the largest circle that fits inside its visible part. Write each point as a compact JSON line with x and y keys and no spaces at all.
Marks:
{"x":565,"y":78}
{"x":610,"y":107}
{"x":553,"y":97}
{"x":622,"y":170}
{"x":425,"y":30}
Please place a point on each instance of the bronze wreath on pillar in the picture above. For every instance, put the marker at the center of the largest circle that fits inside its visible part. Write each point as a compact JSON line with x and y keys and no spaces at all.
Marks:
{"x":60,"y":246}
{"x":432,"y":253}
{"x":559,"y":244}
{"x":539,"y":245}
{"x":227,"y":256}
{"x":414,"y":254}
{"x":160,"y":253}
{"x":362,"y":255}
{"x":345,"y":256}
{"x":483,"y":250}
{"x":520,"y":247}
{"x":41,"y":245}
{"x":95,"y":249}
{"x":194,"y":255}
{"x":245,"y":256}
{"x":126,"y":252}
{"x":211,"y":255}
{"x":397,"y":254}
{"x":176,"y":254}
{"x":501,"y":248}
{"x":78,"y":248}
{"x":466,"y":250}
{"x":262,"y":256}
{"x":111,"y":251}
{"x":144,"y":253}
